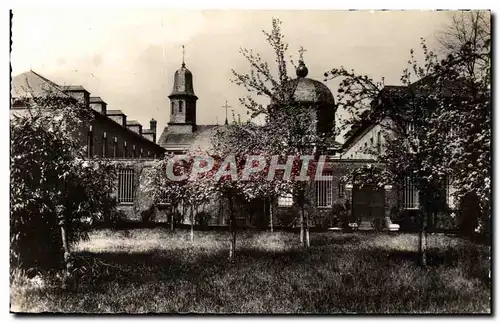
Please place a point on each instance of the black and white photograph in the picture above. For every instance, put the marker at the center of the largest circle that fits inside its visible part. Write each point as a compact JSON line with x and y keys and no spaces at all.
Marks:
{"x":235,"y":162}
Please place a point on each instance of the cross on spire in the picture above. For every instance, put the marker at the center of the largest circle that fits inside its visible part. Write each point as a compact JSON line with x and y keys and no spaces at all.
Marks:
{"x":226,"y":106}
{"x":301,"y":53}
{"x":183,"y":52}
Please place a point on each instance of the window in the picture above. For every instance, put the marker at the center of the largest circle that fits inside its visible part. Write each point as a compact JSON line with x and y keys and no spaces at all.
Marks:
{"x":410,"y":194}
{"x":104,"y":145}
{"x":324,"y":192}
{"x":341,"y":190}
{"x":172,"y":107}
{"x":125,"y":149}
{"x":115,"y":141}
{"x":181,"y":105}
{"x":126,"y":189}
{"x":451,"y":189}
{"x":379,"y":142}
{"x":90,"y":143}
{"x":285,"y":200}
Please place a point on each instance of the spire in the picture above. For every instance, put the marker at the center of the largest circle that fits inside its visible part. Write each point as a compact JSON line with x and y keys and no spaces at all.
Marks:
{"x":183,"y":53}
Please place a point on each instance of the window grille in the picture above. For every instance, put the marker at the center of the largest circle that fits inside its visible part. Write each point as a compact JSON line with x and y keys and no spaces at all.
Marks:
{"x":285,"y":200}
{"x":324,"y":192}
{"x":410,"y":194}
{"x":126,"y":188}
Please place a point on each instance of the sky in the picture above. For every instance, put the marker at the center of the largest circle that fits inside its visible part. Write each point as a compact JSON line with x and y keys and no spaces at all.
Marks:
{"x":128,"y":56}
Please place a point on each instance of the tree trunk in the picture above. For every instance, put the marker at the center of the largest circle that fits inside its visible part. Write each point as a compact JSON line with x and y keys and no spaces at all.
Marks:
{"x":232,"y":229}
{"x":302,"y":224}
{"x":271,"y":214}
{"x":172,"y":212}
{"x":192,"y":223}
{"x":307,"y":242}
{"x":422,"y":241}
{"x":67,"y":256}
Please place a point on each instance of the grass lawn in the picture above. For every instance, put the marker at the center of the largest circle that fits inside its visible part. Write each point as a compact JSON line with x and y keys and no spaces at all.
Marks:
{"x":155,"y":270}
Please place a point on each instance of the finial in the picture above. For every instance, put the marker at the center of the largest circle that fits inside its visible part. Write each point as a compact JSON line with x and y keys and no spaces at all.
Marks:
{"x":301,"y":69}
{"x":301,"y":53}
{"x":183,"y":52}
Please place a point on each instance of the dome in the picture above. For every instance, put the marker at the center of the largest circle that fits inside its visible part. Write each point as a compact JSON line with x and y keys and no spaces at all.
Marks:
{"x":309,"y":90}
{"x":306,"y":90}
{"x":183,"y":82}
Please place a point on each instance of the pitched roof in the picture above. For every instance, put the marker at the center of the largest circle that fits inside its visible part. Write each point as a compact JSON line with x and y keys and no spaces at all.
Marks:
{"x":96,"y":99}
{"x":31,"y":84}
{"x":133,"y":123}
{"x":114,"y":112}
{"x":73,"y":88}
{"x":200,"y":139}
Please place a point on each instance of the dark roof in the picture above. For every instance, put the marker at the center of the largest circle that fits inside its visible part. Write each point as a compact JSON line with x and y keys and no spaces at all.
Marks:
{"x":96,"y":99}
{"x":183,"y":83}
{"x":114,"y":112}
{"x":309,"y":90}
{"x":201,"y":138}
{"x":133,"y":123}
{"x":73,"y":88}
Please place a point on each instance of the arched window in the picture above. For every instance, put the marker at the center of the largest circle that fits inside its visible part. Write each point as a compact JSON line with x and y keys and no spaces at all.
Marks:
{"x":181,"y":106}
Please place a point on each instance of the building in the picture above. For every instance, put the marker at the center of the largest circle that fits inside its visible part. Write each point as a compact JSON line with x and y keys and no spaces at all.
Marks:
{"x":110,"y":135}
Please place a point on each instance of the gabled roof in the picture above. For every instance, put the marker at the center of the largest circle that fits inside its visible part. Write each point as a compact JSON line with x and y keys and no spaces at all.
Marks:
{"x":31,"y":84}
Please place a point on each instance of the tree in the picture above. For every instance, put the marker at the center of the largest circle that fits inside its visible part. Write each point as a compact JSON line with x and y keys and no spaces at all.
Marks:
{"x":166,"y":190}
{"x":432,"y":124}
{"x":56,"y":194}
{"x":289,"y":129}
{"x":467,"y":41}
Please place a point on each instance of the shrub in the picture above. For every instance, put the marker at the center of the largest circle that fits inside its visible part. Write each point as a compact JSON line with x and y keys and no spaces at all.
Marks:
{"x":52,"y":184}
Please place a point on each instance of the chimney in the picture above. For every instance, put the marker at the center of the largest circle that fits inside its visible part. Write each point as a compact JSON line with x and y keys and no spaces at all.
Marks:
{"x":152,"y":125}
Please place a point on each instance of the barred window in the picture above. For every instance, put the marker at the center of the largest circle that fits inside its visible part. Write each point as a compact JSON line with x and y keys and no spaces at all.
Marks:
{"x":285,"y":200}
{"x":410,"y":194}
{"x":324,"y":192}
{"x":126,"y":188}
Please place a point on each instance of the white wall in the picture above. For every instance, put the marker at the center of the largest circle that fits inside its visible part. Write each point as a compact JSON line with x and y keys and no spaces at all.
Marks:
{"x":368,"y":141}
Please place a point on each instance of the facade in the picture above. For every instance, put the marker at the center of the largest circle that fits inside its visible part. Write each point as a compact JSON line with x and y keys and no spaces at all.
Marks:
{"x":110,"y":136}
{"x":133,"y":149}
{"x":183,"y":134}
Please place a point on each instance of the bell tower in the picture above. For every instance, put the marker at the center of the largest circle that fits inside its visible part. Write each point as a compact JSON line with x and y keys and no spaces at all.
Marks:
{"x":182,"y":101}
